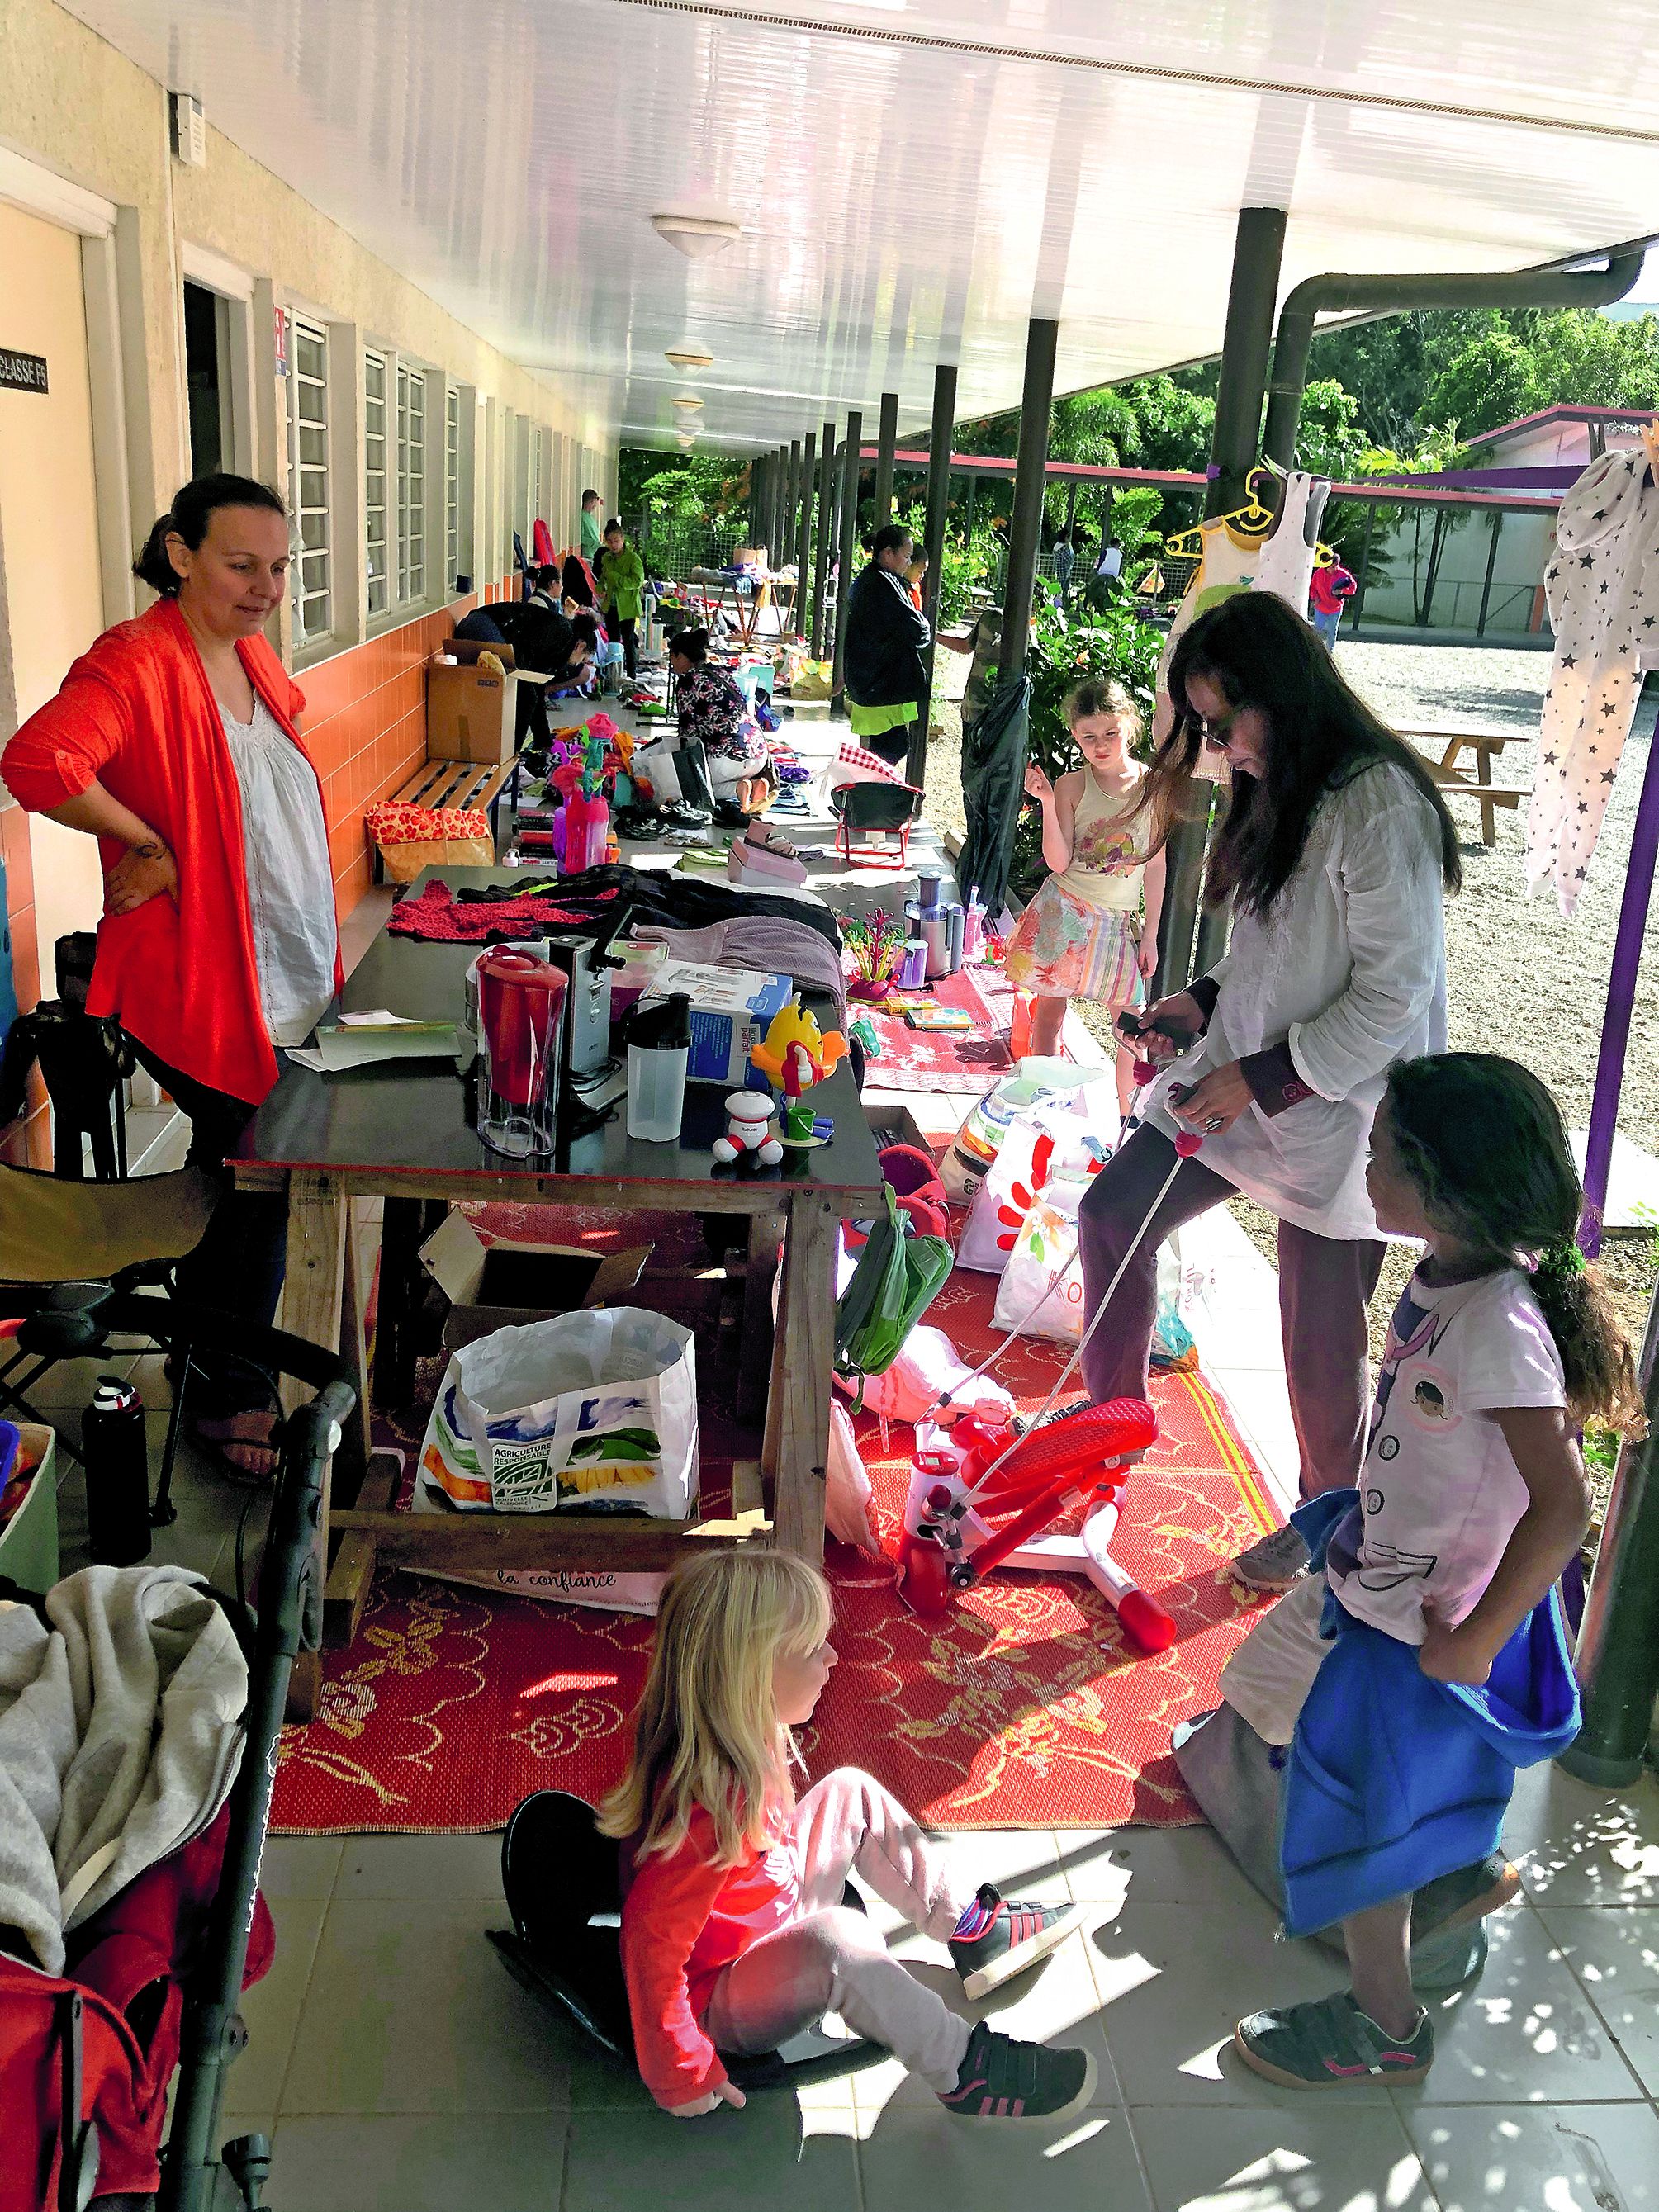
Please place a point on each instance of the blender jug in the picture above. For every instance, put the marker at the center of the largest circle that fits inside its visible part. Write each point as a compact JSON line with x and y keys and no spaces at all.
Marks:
{"x":520,"y":1016}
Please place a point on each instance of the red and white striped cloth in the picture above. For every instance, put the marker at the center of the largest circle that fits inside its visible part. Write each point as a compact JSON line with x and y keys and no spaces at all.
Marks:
{"x":853,"y":763}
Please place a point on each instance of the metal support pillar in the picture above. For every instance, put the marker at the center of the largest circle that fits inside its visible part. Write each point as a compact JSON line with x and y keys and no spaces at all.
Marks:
{"x":939,"y":505}
{"x":848,"y":548}
{"x":791,"y":504}
{"x":1616,"y":1660}
{"x":826,"y":535}
{"x":780,"y":485}
{"x":886,"y":443}
{"x":803,"y":535}
{"x":1030,"y":473}
{"x":1258,"y":246}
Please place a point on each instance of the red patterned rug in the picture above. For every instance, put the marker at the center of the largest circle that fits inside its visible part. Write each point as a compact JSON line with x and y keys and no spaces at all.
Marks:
{"x":1023,"y":1709}
{"x":943,"y":1059}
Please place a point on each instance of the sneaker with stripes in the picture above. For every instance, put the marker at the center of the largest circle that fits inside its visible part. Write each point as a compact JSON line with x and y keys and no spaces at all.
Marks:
{"x":996,"y":1938}
{"x":1002,"y":2079}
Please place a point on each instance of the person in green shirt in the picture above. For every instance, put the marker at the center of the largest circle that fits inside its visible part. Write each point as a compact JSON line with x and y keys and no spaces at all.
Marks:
{"x":622,"y":580}
{"x":590,"y":525}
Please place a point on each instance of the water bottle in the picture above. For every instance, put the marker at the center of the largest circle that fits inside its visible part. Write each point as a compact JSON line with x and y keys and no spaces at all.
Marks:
{"x":659,"y":1044}
{"x":116,"y":1457}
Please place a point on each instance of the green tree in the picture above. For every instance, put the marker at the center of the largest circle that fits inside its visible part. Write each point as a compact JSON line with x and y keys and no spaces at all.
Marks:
{"x":680,"y":487}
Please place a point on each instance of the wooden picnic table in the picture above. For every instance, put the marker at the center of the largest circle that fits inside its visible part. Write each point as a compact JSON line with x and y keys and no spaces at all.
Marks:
{"x":1451,"y":774}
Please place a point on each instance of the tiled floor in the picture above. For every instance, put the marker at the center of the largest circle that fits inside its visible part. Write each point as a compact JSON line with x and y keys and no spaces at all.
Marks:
{"x":397,"y":2065}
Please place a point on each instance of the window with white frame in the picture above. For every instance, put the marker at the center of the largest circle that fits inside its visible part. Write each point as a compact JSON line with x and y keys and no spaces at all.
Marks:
{"x":308,"y":462}
{"x":451,"y":487}
{"x":377,"y":554}
{"x":411,"y":484}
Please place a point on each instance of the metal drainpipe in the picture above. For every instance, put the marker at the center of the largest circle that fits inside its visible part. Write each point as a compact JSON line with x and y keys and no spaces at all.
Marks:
{"x":1333,"y":295}
{"x":938,"y":504}
{"x":1616,"y":1660}
{"x":826,"y":533}
{"x":1031,"y":471}
{"x":804,"y":539}
{"x":1258,"y":248}
{"x":852,"y":450}
{"x":886,"y":442}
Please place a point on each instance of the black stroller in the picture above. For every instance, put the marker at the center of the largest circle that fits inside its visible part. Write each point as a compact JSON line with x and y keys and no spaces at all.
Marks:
{"x":49,"y":2155}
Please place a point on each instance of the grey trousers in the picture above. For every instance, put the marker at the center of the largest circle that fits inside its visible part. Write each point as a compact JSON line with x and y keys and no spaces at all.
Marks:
{"x":1325,"y":1284}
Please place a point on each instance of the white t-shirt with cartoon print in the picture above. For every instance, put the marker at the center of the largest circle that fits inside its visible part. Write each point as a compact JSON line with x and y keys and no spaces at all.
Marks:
{"x":1440,"y":1494}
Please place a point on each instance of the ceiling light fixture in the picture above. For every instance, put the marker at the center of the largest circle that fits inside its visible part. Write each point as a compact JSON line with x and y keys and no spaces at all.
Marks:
{"x":688,"y":355}
{"x":696,"y":236}
{"x":687,"y":402}
{"x":688,"y":439}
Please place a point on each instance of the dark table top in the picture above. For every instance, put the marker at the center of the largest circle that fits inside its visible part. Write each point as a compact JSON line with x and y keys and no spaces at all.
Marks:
{"x":403,"y":1123}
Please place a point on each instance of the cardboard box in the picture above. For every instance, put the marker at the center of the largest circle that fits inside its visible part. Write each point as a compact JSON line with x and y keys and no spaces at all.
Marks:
{"x":28,"y":1542}
{"x":732,"y":1009}
{"x":507,"y":1285}
{"x":472,"y":714}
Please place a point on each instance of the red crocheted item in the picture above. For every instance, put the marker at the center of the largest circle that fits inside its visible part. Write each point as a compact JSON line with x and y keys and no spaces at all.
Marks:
{"x":438,"y":918}
{"x":393,"y":823}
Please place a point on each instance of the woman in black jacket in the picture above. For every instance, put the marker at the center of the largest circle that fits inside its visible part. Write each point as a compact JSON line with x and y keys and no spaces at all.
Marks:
{"x":886,"y":638}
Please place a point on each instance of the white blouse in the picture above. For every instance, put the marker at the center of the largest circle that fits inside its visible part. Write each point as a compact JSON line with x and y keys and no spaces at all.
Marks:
{"x":1349,"y":967}
{"x":291,"y":889}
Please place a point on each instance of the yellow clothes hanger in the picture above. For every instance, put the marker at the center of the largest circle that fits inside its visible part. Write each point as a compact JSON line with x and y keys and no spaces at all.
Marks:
{"x":1651,"y":446}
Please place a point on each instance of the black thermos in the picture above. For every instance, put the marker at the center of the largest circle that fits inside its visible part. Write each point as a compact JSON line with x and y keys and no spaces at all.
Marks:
{"x":117,"y":1456}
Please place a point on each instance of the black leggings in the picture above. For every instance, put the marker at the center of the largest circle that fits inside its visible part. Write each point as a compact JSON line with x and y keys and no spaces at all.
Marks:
{"x":627,"y":631}
{"x":238,"y":1266}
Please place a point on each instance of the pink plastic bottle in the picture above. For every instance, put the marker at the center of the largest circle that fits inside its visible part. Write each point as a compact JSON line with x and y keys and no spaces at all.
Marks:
{"x":587,"y":827}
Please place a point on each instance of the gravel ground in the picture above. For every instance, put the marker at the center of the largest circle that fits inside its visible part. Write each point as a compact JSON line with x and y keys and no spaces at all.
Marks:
{"x":1523,"y":980}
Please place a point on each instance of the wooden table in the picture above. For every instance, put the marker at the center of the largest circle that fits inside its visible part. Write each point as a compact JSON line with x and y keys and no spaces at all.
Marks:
{"x":1451,"y":775}
{"x":402,"y":1132}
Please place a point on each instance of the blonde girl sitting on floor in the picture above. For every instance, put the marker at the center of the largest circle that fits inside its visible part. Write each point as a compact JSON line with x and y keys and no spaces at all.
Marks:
{"x":1083,"y":935}
{"x":734,"y":1936}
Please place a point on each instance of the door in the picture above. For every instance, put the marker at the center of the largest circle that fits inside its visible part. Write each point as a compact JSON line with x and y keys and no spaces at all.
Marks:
{"x":53,"y":605}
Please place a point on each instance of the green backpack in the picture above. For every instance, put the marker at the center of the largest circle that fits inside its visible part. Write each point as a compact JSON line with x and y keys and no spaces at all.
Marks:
{"x":896,"y":1279}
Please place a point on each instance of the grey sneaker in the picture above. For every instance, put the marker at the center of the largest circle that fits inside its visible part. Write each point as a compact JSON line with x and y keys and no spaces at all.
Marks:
{"x":1275,"y":1563}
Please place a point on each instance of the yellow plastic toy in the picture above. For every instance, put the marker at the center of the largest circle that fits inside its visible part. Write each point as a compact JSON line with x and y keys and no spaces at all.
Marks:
{"x":796,"y":1053}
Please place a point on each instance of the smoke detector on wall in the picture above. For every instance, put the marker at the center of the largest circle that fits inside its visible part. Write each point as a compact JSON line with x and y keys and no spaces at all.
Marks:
{"x":688,"y":355}
{"x":696,"y":236}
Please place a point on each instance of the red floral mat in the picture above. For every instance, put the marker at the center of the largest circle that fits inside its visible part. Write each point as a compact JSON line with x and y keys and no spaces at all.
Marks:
{"x":1025,"y":1708}
{"x":942,"y":1059}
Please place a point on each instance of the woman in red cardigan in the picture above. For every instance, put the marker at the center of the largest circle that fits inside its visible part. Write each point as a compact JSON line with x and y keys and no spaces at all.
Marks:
{"x":175,"y":742}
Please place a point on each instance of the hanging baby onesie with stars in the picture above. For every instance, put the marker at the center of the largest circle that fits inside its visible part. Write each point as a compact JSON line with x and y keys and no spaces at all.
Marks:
{"x":1602,"y":586}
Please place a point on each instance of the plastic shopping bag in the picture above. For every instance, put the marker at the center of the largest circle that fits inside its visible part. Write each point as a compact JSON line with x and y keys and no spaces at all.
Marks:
{"x":1048,"y":1141}
{"x":1041,"y":1293}
{"x":1035,"y":1086}
{"x":596,"y":1411}
{"x":1173,"y":1345}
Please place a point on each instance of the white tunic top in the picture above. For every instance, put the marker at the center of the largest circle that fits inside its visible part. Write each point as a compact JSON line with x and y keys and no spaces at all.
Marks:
{"x":291,"y":889}
{"x":1349,"y":966}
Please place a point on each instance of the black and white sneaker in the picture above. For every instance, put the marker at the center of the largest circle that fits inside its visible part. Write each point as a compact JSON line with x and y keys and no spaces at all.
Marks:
{"x":997,"y":1939}
{"x":1002,"y":2079}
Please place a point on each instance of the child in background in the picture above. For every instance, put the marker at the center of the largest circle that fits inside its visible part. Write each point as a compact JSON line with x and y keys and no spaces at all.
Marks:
{"x":1079,"y":938}
{"x":1448,"y":1666}
{"x":734,"y":1937}
{"x":622,"y":580}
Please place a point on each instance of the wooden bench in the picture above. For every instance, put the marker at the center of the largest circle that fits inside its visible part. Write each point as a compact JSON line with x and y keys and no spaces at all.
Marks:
{"x":438,"y":783}
{"x":1451,"y":776}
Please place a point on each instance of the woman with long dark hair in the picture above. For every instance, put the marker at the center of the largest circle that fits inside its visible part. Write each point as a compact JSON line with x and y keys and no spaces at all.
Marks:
{"x":1337,"y":851}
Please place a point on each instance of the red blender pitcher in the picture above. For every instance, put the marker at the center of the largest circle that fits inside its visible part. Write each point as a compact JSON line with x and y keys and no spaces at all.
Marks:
{"x":520,"y":1017}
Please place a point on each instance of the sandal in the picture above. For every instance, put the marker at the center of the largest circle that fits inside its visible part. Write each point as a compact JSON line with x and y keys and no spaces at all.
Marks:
{"x":245,"y":1444}
{"x":1329,"y":2042}
{"x":760,"y":833}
